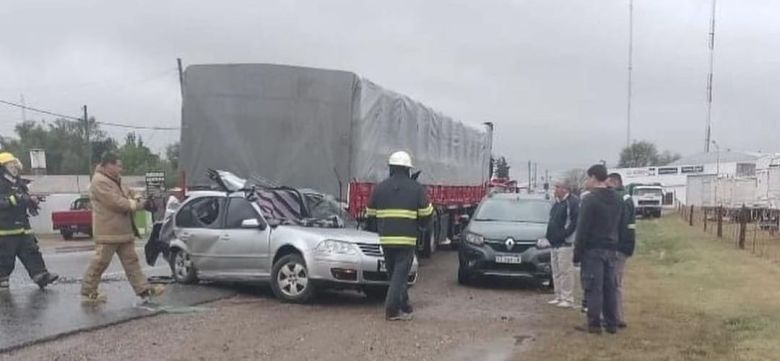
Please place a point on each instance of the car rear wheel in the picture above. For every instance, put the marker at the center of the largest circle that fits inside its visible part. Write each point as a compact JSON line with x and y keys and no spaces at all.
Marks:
{"x":290,"y":280}
{"x":429,"y":244}
{"x":376,"y":292}
{"x":183,"y":268}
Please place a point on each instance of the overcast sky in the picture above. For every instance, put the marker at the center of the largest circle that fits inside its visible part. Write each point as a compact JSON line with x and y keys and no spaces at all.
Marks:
{"x":551,"y":74}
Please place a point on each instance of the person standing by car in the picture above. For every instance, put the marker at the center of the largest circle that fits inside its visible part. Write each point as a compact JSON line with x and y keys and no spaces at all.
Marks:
{"x":627,"y":242}
{"x":16,"y":238}
{"x":560,"y":235}
{"x":600,"y":225}
{"x":113,"y":206}
{"x":398,"y":208}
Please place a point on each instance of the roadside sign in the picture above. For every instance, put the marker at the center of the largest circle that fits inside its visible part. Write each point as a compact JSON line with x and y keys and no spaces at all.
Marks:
{"x":155,"y":180}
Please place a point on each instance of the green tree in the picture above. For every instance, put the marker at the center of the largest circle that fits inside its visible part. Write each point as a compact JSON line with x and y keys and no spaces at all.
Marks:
{"x":136,"y":157}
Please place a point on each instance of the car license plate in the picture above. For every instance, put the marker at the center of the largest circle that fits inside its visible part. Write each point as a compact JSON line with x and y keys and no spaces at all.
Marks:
{"x":380,"y":266}
{"x":509,"y":259}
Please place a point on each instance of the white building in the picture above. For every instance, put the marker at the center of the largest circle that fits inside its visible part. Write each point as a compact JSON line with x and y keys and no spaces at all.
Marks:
{"x":674,"y":177}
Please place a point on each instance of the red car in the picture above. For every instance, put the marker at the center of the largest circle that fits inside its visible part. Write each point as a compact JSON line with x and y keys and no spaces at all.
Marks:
{"x":76,"y":220}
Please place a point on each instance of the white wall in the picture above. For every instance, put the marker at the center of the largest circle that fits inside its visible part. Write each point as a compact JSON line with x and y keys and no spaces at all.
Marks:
{"x":41,"y":224}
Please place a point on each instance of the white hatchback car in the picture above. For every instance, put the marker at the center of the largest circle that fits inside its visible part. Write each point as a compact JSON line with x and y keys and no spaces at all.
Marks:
{"x":299,"y":242}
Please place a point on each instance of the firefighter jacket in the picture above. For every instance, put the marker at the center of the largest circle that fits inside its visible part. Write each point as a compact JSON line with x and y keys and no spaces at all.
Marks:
{"x":13,"y":206}
{"x":397,"y":210}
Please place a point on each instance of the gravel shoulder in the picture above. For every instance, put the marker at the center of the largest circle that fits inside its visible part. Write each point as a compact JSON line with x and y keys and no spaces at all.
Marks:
{"x":496,"y":321}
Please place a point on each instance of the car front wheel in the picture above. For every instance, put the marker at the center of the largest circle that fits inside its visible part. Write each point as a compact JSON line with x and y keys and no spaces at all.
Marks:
{"x":182,"y":267}
{"x":290,"y":280}
{"x":464,"y":277}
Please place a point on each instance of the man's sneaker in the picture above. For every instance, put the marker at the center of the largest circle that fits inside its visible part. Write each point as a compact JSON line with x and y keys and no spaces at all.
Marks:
{"x":565,"y":304}
{"x":403,"y":316}
{"x":554,"y":301}
{"x":96,"y":297}
{"x":46,"y":278}
{"x":4,"y":285}
{"x":407,"y":309}
{"x":588,"y":329}
{"x":153,"y":291}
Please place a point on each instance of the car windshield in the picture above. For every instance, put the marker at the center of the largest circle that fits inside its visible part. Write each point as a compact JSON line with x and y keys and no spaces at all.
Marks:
{"x":513,"y":210}
{"x":648,"y":192}
{"x":325,"y":208}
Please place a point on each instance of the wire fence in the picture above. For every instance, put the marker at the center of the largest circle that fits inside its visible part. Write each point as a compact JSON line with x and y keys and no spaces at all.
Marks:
{"x":756,"y":230}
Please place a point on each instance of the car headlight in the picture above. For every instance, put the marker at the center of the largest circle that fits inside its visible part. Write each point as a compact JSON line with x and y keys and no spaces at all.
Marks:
{"x":474,"y":238}
{"x":332,"y":246}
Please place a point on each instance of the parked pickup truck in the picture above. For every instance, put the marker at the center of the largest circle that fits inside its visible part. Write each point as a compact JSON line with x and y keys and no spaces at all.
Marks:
{"x":76,"y":220}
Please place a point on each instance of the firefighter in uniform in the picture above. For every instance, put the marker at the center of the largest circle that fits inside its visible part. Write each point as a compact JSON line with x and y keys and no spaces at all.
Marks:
{"x":397,"y":210}
{"x":16,"y":238}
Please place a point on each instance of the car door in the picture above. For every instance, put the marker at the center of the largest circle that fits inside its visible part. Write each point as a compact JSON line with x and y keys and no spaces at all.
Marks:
{"x":199,"y":224}
{"x":246,"y":249}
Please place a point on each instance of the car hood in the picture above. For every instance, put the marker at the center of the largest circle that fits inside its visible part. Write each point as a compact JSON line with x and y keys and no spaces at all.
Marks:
{"x":520,"y":231}
{"x":341,"y":234}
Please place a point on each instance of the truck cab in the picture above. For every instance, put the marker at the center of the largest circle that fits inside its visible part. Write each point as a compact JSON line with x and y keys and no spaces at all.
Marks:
{"x":76,"y":220}
{"x":648,"y":199}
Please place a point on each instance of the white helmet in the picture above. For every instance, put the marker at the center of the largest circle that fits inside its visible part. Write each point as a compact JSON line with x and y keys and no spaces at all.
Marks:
{"x":401,"y":158}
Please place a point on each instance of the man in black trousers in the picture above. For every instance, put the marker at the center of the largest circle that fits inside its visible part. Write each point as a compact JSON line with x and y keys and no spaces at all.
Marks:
{"x":599,"y":229}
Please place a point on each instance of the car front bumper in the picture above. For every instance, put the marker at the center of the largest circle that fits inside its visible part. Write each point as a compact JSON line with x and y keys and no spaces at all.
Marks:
{"x":481,"y":260}
{"x":360,"y":270}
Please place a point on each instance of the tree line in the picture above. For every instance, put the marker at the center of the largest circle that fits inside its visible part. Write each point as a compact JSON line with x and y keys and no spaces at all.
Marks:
{"x":67,"y":149}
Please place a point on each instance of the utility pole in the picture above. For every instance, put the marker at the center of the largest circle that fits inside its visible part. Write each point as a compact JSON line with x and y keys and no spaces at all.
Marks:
{"x":630,"y":68}
{"x":529,"y":176}
{"x":88,"y":144}
{"x":535,"y":174}
{"x":708,"y":129}
{"x":181,"y":76}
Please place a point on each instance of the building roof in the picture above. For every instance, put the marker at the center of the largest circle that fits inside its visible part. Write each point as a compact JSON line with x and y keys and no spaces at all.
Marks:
{"x":714,"y":157}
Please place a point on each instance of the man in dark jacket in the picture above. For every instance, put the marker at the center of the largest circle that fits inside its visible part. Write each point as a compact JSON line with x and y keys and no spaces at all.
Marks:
{"x":560,"y":235}
{"x":398,"y":208}
{"x":627,"y":243}
{"x":16,"y":237}
{"x":599,"y":229}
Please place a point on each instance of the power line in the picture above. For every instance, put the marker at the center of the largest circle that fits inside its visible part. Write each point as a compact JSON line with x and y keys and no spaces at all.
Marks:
{"x":72,"y":118}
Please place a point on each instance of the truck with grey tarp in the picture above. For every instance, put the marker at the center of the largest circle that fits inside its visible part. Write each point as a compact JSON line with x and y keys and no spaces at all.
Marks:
{"x":331,"y":131}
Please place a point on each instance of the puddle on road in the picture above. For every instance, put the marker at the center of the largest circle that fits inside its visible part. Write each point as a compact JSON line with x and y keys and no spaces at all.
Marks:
{"x":500,"y":349}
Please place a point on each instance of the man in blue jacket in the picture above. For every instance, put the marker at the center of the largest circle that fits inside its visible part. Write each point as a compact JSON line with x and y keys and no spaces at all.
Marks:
{"x":560,"y":234}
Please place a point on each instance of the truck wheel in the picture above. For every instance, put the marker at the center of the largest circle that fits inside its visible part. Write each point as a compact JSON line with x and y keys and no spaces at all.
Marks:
{"x":429,"y":244}
{"x":183,"y":268}
{"x":377,"y":293}
{"x":66,"y":234}
{"x":290,"y":280}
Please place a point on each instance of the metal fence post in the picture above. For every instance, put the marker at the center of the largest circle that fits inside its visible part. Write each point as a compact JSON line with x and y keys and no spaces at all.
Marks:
{"x":742,"y":225}
{"x":690,"y":217}
{"x":720,"y":221}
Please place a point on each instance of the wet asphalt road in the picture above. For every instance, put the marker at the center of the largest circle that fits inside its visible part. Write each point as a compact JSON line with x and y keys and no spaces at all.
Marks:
{"x":28,"y":314}
{"x":496,"y":320}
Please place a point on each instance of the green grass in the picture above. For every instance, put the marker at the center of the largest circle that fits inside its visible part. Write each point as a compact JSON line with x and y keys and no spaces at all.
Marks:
{"x":688,"y":297}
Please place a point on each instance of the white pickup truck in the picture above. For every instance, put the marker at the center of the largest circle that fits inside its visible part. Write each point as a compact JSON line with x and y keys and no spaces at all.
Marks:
{"x":648,"y":199}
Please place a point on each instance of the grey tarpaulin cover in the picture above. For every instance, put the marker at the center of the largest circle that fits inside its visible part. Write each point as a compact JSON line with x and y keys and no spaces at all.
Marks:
{"x":306,"y":127}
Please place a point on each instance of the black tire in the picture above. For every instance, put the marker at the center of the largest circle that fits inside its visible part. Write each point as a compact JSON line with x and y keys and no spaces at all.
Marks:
{"x":377,"y":293}
{"x":429,"y":243}
{"x":66,"y":234}
{"x":182,"y":267}
{"x":286,"y":277}
{"x":464,"y":277}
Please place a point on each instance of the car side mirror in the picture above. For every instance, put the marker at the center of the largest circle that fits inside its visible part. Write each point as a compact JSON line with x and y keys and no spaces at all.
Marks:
{"x":274,"y":223}
{"x":252,"y":223}
{"x":464,"y":218}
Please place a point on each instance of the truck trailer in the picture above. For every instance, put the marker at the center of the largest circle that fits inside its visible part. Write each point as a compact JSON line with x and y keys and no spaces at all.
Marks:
{"x":331,"y":131}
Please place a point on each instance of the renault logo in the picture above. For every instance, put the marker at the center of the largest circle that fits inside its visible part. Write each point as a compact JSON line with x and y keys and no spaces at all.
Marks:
{"x":509,"y":243}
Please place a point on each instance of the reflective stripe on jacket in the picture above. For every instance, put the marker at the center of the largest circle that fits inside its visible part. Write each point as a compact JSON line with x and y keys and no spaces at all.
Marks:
{"x":398,"y":208}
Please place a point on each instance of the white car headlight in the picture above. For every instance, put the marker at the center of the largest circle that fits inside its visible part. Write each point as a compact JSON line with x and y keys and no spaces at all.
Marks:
{"x":332,"y":246}
{"x":474,"y":238}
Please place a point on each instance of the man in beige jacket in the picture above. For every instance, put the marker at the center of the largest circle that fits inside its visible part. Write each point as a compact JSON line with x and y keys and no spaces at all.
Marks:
{"x":114,"y":232}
